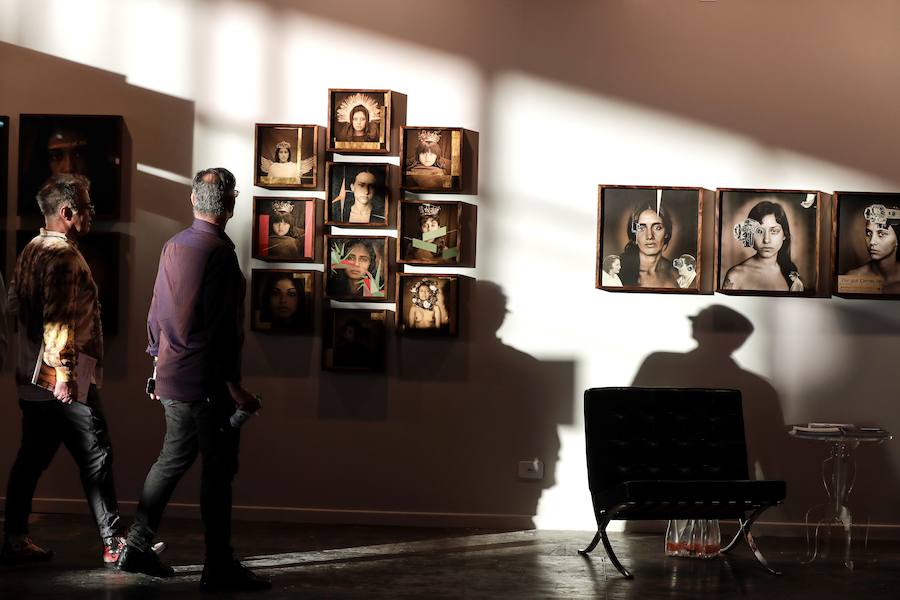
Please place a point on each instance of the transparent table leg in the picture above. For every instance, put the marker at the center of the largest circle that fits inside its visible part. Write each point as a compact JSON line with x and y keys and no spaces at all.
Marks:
{"x":837,"y":512}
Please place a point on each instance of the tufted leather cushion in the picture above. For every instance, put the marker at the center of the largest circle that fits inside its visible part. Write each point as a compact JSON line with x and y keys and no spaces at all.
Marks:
{"x":652,"y":445}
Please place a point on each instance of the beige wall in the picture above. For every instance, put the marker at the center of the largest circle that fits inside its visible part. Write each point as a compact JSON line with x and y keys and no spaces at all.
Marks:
{"x":566,"y":95}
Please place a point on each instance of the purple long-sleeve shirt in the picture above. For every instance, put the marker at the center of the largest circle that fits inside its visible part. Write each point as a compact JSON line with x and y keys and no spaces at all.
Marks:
{"x":195,"y":324}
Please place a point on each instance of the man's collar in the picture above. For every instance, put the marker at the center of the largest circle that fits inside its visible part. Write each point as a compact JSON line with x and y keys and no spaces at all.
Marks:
{"x":58,"y":234}
{"x":207,"y":227}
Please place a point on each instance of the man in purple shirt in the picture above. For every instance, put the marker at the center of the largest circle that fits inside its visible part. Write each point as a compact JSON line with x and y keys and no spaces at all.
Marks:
{"x":195,"y":328}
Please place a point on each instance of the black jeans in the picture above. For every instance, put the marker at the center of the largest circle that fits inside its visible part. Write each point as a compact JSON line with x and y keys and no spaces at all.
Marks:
{"x":82,"y":428}
{"x":192,"y":427}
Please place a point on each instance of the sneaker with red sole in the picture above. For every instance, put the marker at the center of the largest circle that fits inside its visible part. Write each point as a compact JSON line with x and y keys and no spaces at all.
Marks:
{"x":20,"y":549}
{"x":112,"y":548}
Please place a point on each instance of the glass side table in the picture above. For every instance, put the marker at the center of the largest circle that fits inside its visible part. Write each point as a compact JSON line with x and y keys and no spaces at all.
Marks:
{"x":837,"y":479}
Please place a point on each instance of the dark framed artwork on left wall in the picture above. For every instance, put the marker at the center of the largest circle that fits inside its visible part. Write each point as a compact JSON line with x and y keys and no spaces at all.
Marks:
{"x":89,"y":145}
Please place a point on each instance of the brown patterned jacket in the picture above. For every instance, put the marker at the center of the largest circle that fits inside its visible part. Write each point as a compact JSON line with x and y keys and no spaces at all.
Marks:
{"x":56,"y":300}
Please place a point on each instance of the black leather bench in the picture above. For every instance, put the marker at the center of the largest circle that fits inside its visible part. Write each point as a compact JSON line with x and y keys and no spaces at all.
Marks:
{"x":671,"y":453}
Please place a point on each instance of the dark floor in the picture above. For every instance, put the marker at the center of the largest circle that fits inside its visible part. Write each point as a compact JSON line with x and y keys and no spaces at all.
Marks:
{"x":326,"y":561}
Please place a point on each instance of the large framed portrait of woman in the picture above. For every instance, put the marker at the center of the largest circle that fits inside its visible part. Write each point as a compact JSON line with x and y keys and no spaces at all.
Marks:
{"x":430,"y":233}
{"x":866,"y":251}
{"x":359,"y":194}
{"x":360,"y":121}
{"x":354,"y":340}
{"x":769,"y":241}
{"x":88,"y":145}
{"x":284,"y":229}
{"x":282,"y":300}
{"x":287,"y":156}
{"x":649,"y":239}
{"x":427,"y":304}
{"x":357,"y":268}
{"x":432,"y":159}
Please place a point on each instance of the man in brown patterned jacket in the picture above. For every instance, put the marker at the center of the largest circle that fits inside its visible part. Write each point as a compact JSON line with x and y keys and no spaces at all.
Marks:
{"x":60,"y":353}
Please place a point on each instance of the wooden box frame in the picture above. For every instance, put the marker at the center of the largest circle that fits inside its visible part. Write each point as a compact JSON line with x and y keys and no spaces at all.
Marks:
{"x":448,"y":294}
{"x":461,"y":171}
{"x":105,"y":155}
{"x":405,"y":243}
{"x":702,"y":282}
{"x":305,"y":324}
{"x":393,"y":109}
{"x":842,"y":284}
{"x":331,"y":318}
{"x":816,"y":285}
{"x":312,"y":211}
{"x":316,"y":159}
{"x":390,"y":193}
{"x":332,"y":280}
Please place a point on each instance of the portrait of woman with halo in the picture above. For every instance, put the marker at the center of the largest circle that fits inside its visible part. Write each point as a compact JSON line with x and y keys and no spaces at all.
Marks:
{"x":358,"y":119}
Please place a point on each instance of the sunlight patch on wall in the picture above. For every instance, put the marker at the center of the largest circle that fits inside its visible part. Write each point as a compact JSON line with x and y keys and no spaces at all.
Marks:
{"x":317,"y":54}
{"x":159,"y":46}
{"x":234,"y":49}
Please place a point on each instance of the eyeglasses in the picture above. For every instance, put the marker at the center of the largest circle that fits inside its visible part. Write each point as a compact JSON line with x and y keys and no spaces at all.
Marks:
{"x":89,"y":208}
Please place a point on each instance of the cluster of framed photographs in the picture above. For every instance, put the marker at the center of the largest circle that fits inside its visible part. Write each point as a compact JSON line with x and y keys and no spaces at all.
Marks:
{"x":363,"y":196}
{"x":748,"y":242}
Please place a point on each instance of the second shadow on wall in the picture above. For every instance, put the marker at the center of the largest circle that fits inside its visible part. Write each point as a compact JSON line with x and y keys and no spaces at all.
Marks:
{"x":719,"y":331}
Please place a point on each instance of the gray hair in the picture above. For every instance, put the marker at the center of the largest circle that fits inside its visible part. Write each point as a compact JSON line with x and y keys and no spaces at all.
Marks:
{"x":213,"y":197}
{"x":60,"y":191}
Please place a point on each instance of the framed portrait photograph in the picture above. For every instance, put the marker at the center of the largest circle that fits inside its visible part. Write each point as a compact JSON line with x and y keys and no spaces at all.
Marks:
{"x":284,"y":229}
{"x":76,"y":144}
{"x":866,"y":252}
{"x":356,"y":268}
{"x":649,"y":238}
{"x":359,"y":121}
{"x":282,"y":300}
{"x":354,"y":340}
{"x":429,"y":233}
{"x":359,"y":194}
{"x":769,"y":242}
{"x":432,"y":159}
{"x":287,"y":156}
{"x":427,"y":304}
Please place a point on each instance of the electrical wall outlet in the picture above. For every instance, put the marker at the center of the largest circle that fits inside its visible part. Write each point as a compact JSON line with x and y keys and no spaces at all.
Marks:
{"x":531,"y":469}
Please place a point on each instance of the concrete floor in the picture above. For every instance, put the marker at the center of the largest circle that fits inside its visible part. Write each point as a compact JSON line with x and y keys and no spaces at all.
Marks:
{"x":327,"y":561}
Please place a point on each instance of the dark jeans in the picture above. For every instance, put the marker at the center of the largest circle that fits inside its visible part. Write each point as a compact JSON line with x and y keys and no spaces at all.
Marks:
{"x":82,"y":428}
{"x":193,"y":427}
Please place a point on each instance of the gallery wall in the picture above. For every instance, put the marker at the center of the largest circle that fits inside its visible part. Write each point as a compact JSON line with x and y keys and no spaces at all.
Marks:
{"x":745,"y":93}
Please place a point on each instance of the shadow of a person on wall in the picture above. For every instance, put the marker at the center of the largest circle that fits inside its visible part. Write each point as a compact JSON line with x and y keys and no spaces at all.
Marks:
{"x":492,"y":407}
{"x":719,"y":332}
{"x":515,"y":406}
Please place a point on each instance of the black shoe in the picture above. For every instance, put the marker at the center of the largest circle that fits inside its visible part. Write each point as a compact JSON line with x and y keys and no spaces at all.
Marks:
{"x":20,"y":549}
{"x":133,"y":560}
{"x":231,"y":576}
